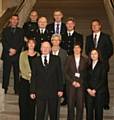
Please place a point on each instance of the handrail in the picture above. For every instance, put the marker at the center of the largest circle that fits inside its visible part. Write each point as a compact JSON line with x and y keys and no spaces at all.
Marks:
{"x":16,"y":11}
{"x":19,"y":7}
{"x":112,"y":3}
{"x":109,"y":6}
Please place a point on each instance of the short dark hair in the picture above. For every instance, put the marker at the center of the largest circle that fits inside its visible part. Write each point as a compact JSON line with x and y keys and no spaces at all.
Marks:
{"x":46,"y":41}
{"x":30,"y":39}
{"x":77,"y":44}
{"x":57,"y":10}
{"x":16,"y":15}
{"x":70,"y":19}
{"x":96,"y":20}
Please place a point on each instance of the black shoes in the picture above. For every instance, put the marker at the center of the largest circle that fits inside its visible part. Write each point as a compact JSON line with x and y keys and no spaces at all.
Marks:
{"x":5,"y":91}
{"x":16,"y":92}
{"x":106,"y":107}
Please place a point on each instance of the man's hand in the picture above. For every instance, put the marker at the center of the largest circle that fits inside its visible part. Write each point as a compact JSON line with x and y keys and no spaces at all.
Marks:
{"x":60,"y":93}
{"x":12,"y":52}
{"x":76,"y":84}
{"x":32,"y":96}
{"x":91,"y":92}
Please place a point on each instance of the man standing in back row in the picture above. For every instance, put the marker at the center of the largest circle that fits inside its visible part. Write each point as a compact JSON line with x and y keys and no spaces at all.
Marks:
{"x":57,"y":27}
{"x":71,"y":36}
{"x":103,"y":43}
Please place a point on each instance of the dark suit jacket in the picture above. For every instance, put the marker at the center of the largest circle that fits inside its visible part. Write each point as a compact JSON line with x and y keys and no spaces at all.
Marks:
{"x":104,"y":45}
{"x":12,"y":40}
{"x":30,"y":28}
{"x":67,"y":42}
{"x":63,"y":56}
{"x":51,"y":29}
{"x":40,"y":37}
{"x":96,"y":78}
{"x":46,"y":81}
{"x":70,"y":70}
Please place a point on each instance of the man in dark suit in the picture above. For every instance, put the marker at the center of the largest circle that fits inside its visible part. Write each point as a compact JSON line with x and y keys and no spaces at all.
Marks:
{"x":12,"y":41}
{"x":46,"y":82}
{"x":75,"y":71}
{"x":31,"y":25}
{"x":41,"y":32}
{"x":57,"y":26}
{"x":103,"y":43}
{"x":71,"y":36}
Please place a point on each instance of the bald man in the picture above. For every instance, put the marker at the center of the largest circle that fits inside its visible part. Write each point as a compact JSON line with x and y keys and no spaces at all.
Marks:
{"x":46,"y":82}
{"x":41,"y":32}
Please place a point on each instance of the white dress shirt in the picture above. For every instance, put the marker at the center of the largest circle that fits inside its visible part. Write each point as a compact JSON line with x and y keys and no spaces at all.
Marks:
{"x":42,"y":30}
{"x":77,"y":60}
{"x":94,"y":64}
{"x":70,"y":33}
{"x":55,"y":26}
{"x":97,"y":37}
{"x":47,"y":57}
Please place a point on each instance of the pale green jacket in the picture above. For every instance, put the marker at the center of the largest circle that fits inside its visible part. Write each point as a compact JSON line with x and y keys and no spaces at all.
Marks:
{"x":25,"y":70}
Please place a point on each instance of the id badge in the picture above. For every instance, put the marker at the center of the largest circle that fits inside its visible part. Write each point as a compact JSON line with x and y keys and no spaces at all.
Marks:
{"x":77,"y":75}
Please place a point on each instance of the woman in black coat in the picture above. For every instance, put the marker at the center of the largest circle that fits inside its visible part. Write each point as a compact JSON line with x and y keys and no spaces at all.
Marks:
{"x":95,"y":87}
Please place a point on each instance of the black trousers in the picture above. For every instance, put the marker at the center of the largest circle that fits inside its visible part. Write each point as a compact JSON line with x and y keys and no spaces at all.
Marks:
{"x":75,"y":100}
{"x":64,"y":93}
{"x":7,"y":65}
{"x":94,"y":107}
{"x":52,"y":104}
{"x":26,"y":104}
{"x":107,"y":93}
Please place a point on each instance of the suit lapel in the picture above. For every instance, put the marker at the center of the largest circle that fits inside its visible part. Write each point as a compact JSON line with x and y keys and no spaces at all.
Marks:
{"x":53,"y":27}
{"x":74,"y":64}
{"x":100,"y":40}
{"x":92,"y":41}
{"x":80,"y":64}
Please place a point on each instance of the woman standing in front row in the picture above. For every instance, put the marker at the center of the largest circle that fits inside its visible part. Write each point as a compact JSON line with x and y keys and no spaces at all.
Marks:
{"x":76,"y":71}
{"x":26,"y":104}
{"x":95,"y":87}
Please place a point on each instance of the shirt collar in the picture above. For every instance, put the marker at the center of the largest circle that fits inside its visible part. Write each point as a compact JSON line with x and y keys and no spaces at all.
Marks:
{"x":98,"y":33}
{"x":71,"y":32}
{"x":57,"y":23}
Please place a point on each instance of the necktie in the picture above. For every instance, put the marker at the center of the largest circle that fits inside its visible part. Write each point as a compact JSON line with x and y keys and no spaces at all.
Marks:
{"x":69,"y":34}
{"x":57,"y":28}
{"x":41,"y":31}
{"x":45,"y":60}
{"x":13,"y":30}
{"x":95,"y":40}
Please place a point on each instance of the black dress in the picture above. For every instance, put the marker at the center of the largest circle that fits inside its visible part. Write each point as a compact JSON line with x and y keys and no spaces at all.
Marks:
{"x":26,"y":104}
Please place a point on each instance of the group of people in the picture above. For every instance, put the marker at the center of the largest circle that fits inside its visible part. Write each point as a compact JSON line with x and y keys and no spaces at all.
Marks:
{"x":48,"y":65}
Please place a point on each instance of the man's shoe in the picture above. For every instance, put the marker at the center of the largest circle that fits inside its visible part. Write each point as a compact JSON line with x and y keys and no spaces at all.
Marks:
{"x":106,"y":107}
{"x":5,"y":91}
{"x":16,"y":92}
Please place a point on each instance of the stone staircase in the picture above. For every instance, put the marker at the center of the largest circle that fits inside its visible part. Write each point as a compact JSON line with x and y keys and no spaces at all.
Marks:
{"x":84,"y":11}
